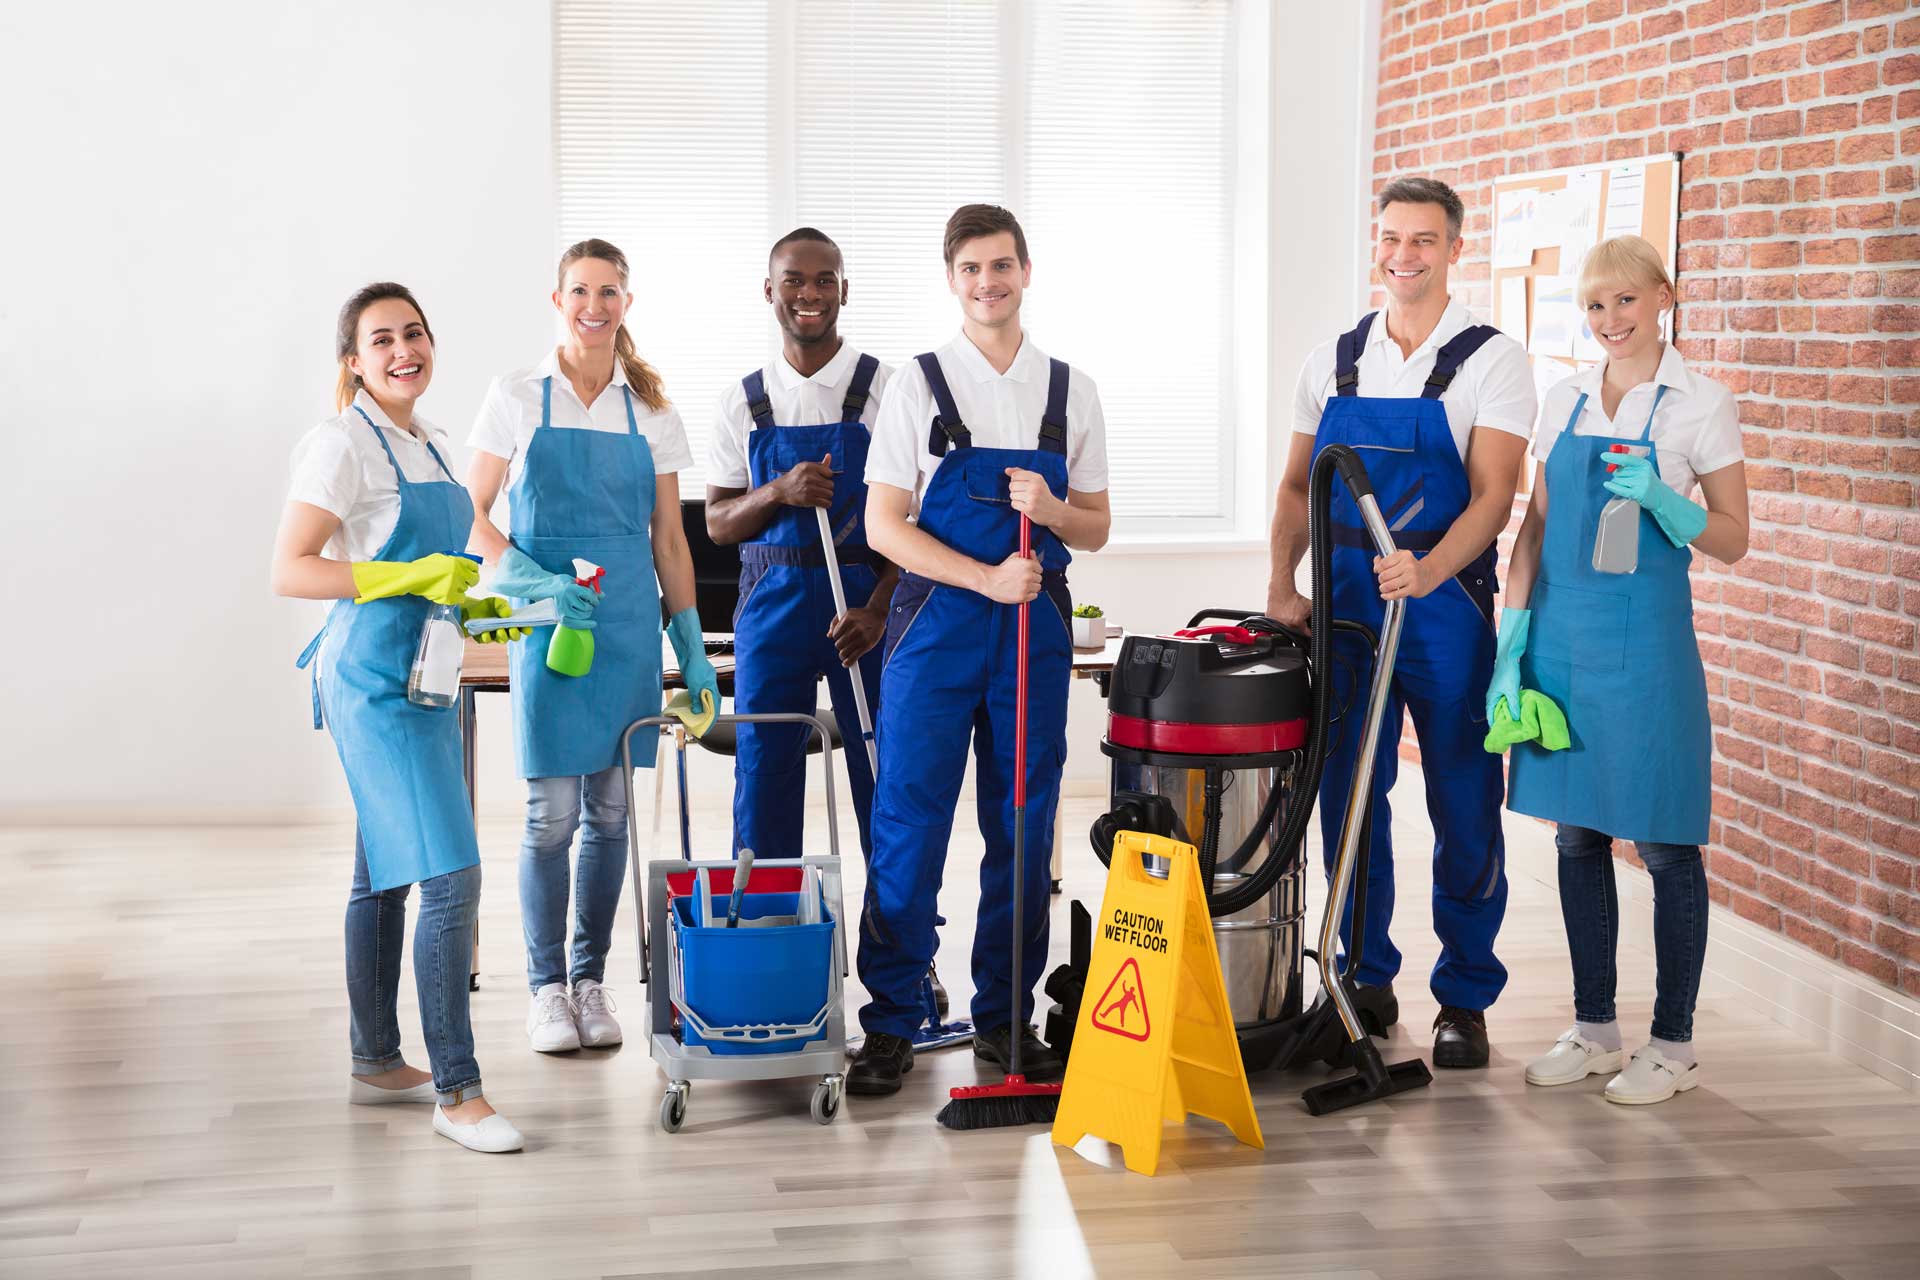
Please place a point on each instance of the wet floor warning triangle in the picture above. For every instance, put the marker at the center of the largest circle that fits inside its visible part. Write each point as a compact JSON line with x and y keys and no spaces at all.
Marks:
{"x":1122,"y":1009}
{"x":1131,"y":1071}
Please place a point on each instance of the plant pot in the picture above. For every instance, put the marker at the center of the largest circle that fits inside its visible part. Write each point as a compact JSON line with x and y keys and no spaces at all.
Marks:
{"x":1089,"y":633}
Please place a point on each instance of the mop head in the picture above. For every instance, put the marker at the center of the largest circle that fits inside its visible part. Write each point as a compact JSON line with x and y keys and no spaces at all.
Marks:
{"x":1011,"y":1103}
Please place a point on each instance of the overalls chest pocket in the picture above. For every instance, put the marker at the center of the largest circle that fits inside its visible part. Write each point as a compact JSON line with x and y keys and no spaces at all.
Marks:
{"x":1392,"y":432}
{"x":986,"y":481}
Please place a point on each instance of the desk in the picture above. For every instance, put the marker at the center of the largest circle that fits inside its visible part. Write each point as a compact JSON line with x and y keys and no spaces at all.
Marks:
{"x":484,"y":670}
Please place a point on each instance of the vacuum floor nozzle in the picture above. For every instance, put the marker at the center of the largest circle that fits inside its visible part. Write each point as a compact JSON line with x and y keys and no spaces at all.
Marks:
{"x":1372,"y":1081}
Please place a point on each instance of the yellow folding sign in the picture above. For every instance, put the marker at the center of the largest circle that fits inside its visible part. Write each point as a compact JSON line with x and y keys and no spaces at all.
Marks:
{"x":1154,"y":1041}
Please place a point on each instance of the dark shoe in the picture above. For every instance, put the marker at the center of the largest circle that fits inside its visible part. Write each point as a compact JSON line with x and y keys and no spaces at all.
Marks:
{"x":1377,"y":1006}
{"x":1037,"y":1061}
{"x":1460,"y":1038}
{"x":939,"y":994}
{"x":877,"y":1068}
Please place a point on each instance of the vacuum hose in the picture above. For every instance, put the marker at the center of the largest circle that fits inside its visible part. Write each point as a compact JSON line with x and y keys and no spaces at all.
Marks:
{"x":1306,"y":783}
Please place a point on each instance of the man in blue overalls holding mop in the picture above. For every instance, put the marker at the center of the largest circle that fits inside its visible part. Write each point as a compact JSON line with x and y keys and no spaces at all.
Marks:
{"x":1440,"y":408}
{"x":788,"y":441}
{"x":969,"y":439}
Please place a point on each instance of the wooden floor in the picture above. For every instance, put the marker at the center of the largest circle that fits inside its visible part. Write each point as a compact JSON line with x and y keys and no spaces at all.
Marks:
{"x":175,"y":1065}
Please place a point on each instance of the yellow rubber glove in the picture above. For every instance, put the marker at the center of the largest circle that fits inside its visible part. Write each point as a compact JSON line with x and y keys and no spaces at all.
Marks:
{"x":492,"y":607}
{"x":443,"y":579}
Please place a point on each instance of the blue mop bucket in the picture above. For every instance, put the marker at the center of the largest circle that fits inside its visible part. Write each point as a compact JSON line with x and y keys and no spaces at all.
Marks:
{"x":754,"y":990}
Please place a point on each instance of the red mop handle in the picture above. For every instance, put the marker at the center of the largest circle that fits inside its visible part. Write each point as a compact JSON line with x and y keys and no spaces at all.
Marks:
{"x":1020,"y":683}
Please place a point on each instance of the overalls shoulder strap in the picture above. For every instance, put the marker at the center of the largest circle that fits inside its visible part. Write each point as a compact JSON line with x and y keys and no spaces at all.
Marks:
{"x":948,"y":429}
{"x":759,"y":406}
{"x":860,"y":388}
{"x":1053,"y":423}
{"x":1346,"y":357}
{"x":1454,"y":354}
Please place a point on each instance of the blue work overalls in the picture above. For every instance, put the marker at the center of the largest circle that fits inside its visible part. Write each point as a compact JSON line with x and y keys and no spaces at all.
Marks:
{"x":780,"y":641}
{"x":948,"y":677}
{"x":1444,"y":665}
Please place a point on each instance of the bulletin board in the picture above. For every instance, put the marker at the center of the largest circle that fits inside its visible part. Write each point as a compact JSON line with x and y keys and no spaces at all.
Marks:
{"x":1543,"y":223}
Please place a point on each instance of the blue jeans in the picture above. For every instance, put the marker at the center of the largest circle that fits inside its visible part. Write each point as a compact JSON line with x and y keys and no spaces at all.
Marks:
{"x":556,"y":808}
{"x":1590,"y":905}
{"x":442,"y":944}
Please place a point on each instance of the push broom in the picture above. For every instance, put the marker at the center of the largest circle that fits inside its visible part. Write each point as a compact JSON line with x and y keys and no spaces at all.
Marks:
{"x":1013,"y":1101}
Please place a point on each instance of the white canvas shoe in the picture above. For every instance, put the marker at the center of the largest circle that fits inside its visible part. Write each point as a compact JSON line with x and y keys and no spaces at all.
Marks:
{"x":1573,"y":1057}
{"x":362,"y":1094}
{"x":1652,"y":1077}
{"x":593,"y":1015}
{"x":550,"y":1021}
{"x":493,"y":1134}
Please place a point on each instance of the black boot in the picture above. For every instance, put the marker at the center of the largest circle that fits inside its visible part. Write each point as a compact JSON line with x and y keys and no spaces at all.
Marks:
{"x":1377,"y":1006}
{"x":1037,"y":1061}
{"x":1460,"y":1038}
{"x":877,"y":1068}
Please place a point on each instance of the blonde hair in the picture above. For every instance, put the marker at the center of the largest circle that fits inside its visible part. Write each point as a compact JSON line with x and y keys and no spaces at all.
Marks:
{"x":642,"y":378}
{"x":1623,"y":262}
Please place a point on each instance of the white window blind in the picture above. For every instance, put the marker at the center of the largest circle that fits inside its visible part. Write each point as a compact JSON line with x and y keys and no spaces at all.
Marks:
{"x":702,"y":132}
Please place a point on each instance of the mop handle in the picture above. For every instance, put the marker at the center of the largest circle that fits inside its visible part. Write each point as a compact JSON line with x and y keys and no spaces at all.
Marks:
{"x":1020,"y":683}
{"x":839,"y":610}
{"x":1014,"y":1029}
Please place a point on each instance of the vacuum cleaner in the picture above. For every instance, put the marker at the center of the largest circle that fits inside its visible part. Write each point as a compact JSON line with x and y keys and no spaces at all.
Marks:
{"x":1218,"y":737}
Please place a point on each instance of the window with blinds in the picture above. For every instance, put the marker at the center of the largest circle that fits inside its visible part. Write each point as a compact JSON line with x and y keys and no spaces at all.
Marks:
{"x":694,"y":135}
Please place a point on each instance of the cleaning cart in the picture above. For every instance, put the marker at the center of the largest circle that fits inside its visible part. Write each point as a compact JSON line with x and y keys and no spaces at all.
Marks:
{"x":744,"y":962}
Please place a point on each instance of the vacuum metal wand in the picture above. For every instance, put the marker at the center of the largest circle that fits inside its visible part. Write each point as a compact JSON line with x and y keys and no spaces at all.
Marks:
{"x":1353,"y":827}
{"x":839,"y":609}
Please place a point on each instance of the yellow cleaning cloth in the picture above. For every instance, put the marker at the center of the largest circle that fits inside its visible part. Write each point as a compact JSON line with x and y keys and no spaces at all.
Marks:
{"x":1541,"y":720}
{"x":697,"y":722}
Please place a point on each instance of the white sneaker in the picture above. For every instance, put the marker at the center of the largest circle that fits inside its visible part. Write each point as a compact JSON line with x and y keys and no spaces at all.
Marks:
{"x":362,"y":1094}
{"x":593,"y":1015}
{"x":550,"y":1021}
{"x":1573,"y":1057}
{"x":1651,"y":1077}
{"x":493,"y":1134}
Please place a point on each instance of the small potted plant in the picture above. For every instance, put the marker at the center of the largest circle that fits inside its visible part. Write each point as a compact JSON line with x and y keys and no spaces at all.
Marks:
{"x":1089,"y":627}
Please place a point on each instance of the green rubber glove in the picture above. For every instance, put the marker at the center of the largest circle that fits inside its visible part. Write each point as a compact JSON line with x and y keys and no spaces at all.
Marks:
{"x":1514,"y":624}
{"x":703,"y":686}
{"x":443,"y":579}
{"x":1634,"y":477}
{"x":493,"y":607}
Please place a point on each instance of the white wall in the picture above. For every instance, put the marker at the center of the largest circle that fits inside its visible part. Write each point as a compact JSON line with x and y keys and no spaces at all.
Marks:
{"x":200,"y":200}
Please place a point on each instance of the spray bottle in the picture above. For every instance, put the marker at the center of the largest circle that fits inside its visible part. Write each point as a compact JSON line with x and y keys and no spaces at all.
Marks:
{"x":570,"y":651}
{"x":1616,"y":539}
{"x":434,"y":678}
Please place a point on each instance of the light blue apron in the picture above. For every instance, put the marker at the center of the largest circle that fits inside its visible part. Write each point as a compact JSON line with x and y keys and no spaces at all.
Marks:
{"x":1617,"y":651}
{"x":587,"y":494}
{"x":403,"y":760}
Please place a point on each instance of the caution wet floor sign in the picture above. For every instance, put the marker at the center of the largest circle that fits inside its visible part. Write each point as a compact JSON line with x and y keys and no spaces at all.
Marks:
{"x":1157,"y":1044}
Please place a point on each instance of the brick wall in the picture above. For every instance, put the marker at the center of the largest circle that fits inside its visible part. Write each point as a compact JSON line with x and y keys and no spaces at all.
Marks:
{"x":1799,"y":286}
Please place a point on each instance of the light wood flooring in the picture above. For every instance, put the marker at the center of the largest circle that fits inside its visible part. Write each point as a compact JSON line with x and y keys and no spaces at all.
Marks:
{"x":173,"y":1073}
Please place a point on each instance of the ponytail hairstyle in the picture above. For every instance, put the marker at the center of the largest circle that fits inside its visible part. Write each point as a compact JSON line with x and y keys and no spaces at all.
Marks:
{"x":346,"y":333}
{"x":641,"y":376}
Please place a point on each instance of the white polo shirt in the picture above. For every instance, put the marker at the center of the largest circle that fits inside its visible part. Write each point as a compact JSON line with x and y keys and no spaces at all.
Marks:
{"x":510,"y":415}
{"x":1494,"y":387}
{"x":1696,"y":429}
{"x":798,"y":401}
{"x":1002,"y":410}
{"x":340,"y":467}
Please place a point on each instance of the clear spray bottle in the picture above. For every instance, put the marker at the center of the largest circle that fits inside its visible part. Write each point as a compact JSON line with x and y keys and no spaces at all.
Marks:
{"x":434,"y":679}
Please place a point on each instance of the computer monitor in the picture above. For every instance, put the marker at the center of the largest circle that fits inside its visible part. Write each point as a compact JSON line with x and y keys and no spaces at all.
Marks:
{"x":716,"y":571}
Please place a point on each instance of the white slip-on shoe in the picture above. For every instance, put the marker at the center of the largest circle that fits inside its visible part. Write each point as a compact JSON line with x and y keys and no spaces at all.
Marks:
{"x":493,"y":1134}
{"x":1573,"y":1057}
{"x":362,"y":1094}
{"x":593,"y":1015}
{"x":550,"y":1021}
{"x":1651,"y":1077}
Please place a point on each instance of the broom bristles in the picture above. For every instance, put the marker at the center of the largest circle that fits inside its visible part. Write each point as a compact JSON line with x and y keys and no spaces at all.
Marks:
{"x":1009,"y":1104}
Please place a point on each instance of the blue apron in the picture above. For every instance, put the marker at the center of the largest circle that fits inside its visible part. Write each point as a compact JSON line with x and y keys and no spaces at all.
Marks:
{"x":587,"y":494}
{"x":780,"y":641}
{"x":1444,"y":665}
{"x":1617,"y":651}
{"x":949,"y":676}
{"x":403,"y":760}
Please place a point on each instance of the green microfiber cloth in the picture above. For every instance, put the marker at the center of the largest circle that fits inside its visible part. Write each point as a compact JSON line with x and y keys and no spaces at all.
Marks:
{"x":1541,"y":720}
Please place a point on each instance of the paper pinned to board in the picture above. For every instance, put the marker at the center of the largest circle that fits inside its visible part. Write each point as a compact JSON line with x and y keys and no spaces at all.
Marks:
{"x":1513,"y":227}
{"x":1556,"y":320}
{"x":1577,"y":219}
{"x":1513,"y":308}
{"x":1626,"y":197}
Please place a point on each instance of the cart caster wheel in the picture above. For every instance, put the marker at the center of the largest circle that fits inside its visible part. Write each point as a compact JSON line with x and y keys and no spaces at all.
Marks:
{"x":826,"y":1099}
{"x":673,"y":1108}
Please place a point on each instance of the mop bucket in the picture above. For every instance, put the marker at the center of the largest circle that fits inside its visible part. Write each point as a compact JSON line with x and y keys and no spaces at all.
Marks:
{"x":765,"y":987}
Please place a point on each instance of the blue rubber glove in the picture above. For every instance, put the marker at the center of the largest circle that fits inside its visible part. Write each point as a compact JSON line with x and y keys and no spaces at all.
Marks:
{"x":1634,"y":477}
{"x":1514,"y":624}
{"x":703,"y":686}
{"x":518,"y":574}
